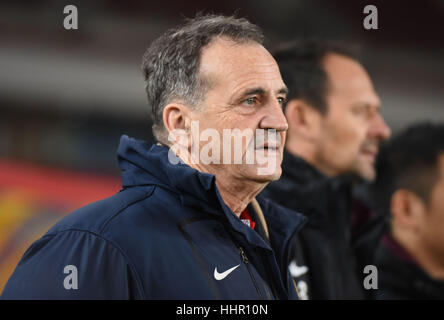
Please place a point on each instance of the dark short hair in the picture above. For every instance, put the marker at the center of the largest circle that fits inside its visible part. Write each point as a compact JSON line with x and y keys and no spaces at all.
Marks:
{"x":301,"y":66}
{"x":171,"y":63}
{"x":409,"y":161}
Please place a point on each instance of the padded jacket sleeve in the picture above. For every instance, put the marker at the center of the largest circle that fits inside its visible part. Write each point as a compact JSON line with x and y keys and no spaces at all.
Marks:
{"x":73,"y":264}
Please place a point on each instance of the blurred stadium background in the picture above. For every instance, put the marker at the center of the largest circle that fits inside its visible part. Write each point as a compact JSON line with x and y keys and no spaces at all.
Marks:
{"x":67,"y":96}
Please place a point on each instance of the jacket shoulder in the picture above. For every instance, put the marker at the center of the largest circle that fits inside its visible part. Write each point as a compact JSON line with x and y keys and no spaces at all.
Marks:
{"x":74,"y":264}
{"x":271,"y":207}
{"x":95,"y":216}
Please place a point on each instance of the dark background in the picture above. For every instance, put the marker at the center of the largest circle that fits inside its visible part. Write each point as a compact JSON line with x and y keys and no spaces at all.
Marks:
{"x":67,"y":95}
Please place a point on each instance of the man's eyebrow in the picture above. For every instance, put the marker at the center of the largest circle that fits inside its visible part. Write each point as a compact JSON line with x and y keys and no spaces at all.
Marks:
{"x":368,"y":105}
{"x":283,"y":90}
{"x":253,"y":91}
{"x":261,"y":91}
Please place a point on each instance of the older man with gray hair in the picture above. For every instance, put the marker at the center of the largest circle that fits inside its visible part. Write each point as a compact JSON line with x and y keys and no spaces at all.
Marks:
{"x":186,"y":224}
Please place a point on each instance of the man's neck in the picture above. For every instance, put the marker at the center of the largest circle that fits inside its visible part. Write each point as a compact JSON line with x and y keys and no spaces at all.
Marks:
{"x":307,"y":152}
{"x":238,"y":196}
{"x":426,"y":260}
{"x":300,"y":149}
{"x":237,"y":193}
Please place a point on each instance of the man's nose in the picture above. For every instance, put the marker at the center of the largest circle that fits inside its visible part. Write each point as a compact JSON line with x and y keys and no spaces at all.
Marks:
{"x":380,"y":129}
{"x":274,"y":118}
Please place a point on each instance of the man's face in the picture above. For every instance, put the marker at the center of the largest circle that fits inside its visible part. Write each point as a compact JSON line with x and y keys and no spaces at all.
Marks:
{"x":246,"y":92}
{"x":432,"y":223}
{"x":352,"y":128}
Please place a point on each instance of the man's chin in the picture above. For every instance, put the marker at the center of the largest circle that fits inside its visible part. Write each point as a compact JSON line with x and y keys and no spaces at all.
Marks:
{"x":366,"y":174}
{"x":265,"y":174}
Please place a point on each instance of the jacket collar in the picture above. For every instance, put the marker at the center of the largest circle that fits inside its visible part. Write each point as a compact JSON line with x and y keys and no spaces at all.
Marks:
{"x":299,"y":169}
{"x":283,"y":223}
{"x":303,"y":172}
{"x":406,"y":271}
{"x":315,"y":189}
{"x":145,"y":164}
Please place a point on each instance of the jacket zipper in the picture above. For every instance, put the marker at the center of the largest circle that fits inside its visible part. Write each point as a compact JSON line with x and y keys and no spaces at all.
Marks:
{"x":272,"y":284}
{"x":245,"y":260}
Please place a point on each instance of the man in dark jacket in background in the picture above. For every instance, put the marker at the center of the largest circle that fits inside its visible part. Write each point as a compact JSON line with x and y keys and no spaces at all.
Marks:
{"x":334,"y":132}
{"x":410,"y":191}
{"x":186,"y":224}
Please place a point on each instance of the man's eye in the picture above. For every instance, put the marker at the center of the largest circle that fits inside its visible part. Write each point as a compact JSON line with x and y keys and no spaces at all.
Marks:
{"x":361,"y":110}
{"x":281,"y":100}
{"x":250,"y":101}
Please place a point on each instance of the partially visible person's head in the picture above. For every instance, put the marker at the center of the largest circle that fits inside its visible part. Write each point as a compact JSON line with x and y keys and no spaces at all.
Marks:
{"x":332,"y":109}
{"x":214,"y":71}
{"x":410,"y":186}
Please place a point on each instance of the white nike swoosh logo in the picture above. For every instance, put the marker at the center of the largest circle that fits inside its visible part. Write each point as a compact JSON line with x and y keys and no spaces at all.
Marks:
{"x":220,"y":276}
{"x":295,"y":270}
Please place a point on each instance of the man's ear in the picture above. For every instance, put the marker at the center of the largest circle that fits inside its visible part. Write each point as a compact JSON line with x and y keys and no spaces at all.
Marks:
{"x":177,"y":123}
{"x":303,"y":119}
{"x":407,"y":209}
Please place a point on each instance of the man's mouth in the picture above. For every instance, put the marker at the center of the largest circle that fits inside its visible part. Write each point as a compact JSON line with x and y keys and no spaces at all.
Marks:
{"x":270,"y":146}
{"x":370,"y":153}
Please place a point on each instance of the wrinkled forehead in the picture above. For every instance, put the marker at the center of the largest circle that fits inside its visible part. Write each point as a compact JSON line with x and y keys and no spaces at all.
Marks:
{"x":232,"y":63}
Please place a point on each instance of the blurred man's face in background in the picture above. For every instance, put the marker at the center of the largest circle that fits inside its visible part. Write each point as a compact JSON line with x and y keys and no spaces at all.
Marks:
{"x":431,"y":220}
{"x":352,"y":128}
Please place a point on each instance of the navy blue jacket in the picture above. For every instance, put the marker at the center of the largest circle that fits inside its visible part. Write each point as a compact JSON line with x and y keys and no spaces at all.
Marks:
{"x":165,"y":235}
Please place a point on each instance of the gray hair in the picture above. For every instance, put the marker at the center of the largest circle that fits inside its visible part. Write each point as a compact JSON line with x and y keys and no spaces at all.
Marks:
{"x":171,"y":63}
